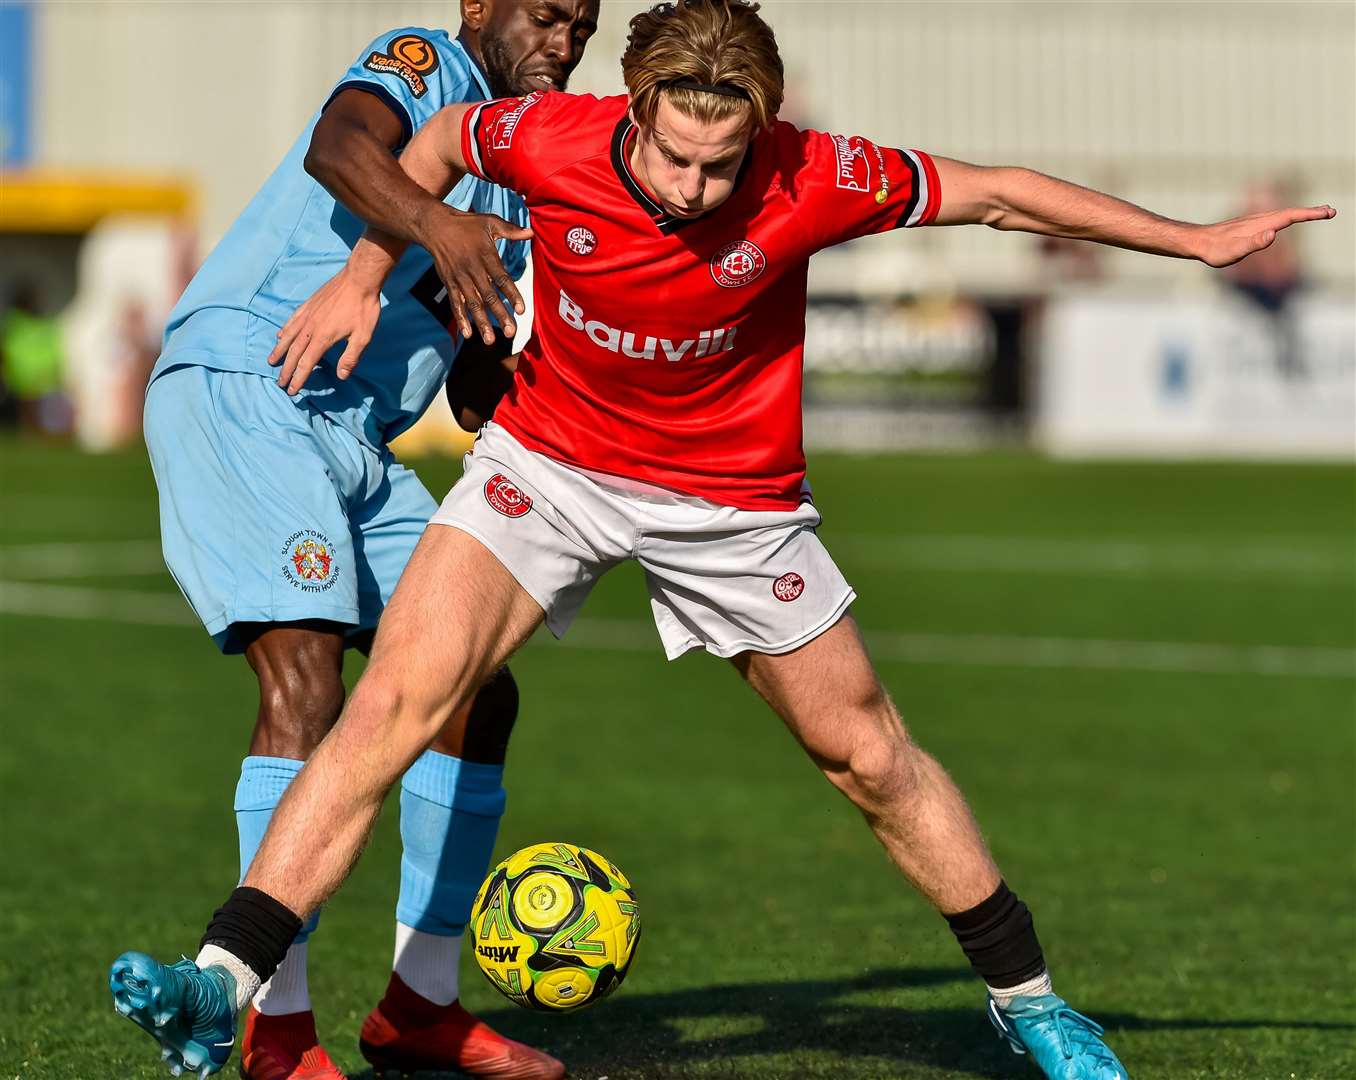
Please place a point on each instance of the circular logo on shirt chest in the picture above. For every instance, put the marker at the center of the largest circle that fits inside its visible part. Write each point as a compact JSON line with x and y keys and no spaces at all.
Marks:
{"x":738,"y":264}
{"x":581,"y":240}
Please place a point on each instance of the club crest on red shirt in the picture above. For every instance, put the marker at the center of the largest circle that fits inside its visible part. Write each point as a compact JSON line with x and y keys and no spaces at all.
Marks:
{"x":738,"y":264}
{"x":787,"y":587}
{"x":503,"y":494}
{"x":581,"y":240}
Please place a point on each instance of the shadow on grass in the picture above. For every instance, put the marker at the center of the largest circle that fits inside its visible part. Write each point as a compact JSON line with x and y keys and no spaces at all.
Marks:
{"x":809,"y":1028}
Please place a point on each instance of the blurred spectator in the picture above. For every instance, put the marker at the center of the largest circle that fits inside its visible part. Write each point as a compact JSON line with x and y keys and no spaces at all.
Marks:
{"x":1270,"y":278}
{"x":1069,"y":262}
{"x":137,"y":345}
{"x":32,"y":363}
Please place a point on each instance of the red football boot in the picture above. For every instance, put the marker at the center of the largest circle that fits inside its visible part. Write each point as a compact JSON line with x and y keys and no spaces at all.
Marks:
{"x":284,"y":1048}
{"x":407,"y":1032}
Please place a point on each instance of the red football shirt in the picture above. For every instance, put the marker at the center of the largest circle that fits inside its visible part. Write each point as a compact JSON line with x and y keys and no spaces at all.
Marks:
{"x":669,"y":351}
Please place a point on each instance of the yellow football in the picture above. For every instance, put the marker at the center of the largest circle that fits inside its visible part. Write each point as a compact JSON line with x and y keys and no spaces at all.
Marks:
{"x":555,"y":927}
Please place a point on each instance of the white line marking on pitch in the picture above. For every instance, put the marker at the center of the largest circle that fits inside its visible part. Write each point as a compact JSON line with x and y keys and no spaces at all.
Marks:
{"x":991,"y":650}
{"x":629,"y":635}
{"x":1285,"y":560}
{"x":103,"y":605}
{"x":82,"y":559}
{"x":1288,"y":560}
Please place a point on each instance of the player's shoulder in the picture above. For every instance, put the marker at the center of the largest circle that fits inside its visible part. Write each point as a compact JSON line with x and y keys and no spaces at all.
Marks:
{"x":806,"y":159}
{"x":585,"y":113}
{"x":551,"y":126}
{"x":429,"y":61}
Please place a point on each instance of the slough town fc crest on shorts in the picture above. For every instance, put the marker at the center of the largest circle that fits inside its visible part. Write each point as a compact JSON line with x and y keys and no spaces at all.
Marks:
{"x":308,"y":561}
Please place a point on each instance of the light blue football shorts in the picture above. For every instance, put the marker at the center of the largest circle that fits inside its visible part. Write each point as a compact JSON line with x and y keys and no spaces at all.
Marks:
{"x":270,"y":513}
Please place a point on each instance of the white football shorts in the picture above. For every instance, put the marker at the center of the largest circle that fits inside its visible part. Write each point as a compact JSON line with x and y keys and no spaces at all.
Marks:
{"x":724,"y":579}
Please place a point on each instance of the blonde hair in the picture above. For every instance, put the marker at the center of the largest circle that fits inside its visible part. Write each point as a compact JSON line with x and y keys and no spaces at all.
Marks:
{"x":719,"y":43}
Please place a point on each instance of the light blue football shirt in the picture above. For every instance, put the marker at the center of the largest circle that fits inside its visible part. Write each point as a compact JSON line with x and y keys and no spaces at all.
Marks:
{"x":293,"y":237}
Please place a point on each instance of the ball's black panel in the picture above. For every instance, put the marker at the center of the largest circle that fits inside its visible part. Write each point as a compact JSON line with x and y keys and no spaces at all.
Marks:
{"x":596,"y":873}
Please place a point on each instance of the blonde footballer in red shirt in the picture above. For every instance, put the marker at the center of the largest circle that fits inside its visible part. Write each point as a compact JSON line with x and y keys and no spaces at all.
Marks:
{"x":655,"y":415}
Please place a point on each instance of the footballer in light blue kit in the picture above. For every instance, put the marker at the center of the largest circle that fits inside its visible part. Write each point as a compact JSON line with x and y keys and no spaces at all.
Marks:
{"x":286,"y":520}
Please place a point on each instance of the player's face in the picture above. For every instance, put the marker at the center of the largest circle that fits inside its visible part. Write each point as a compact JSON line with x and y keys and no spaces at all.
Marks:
{"x":688,"y":165}
{"x":532,"y":45}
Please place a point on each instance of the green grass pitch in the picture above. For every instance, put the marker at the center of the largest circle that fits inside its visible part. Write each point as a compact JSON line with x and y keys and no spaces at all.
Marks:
{"x":1141,"y":675}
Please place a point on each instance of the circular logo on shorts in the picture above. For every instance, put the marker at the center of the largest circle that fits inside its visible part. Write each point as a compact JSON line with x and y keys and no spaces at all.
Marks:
{"x":503,"y":494}
{"x":581,"y":240}
{"x":308,"y":562}
{"x":738,"y":264}
{"x":787,"y":587}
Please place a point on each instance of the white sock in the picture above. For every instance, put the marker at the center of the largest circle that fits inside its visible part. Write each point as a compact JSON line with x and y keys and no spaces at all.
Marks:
{"x":1031,"y":988}
{"x":287,"y":992}
{"x":427,"y":963}
{"x":246,"y":981}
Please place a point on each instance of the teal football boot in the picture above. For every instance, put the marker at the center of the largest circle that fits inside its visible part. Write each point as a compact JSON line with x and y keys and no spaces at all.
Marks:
{"x":191,"y":1013}
{"x":1065,"y":1044}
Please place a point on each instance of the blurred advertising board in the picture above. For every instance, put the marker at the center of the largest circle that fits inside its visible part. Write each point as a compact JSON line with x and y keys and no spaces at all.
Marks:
{"x":16,"y":50}
{"x":886,"y":374}
{"x":1196,"y":377}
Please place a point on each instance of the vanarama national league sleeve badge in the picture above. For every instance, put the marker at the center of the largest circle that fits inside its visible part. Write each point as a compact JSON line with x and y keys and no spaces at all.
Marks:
{"x":308,"y":562}
{"x":409,"y":57}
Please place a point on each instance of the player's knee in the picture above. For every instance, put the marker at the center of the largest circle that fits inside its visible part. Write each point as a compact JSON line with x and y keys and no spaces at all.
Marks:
{"x":882,"y":767}
{"x":880,"y":770}
{"x":300,"y":698}
{"x":385,"y":699}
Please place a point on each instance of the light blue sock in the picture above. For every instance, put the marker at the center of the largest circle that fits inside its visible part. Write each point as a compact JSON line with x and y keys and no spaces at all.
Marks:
{"x":449,"y":818}
{"x":262,"y":783}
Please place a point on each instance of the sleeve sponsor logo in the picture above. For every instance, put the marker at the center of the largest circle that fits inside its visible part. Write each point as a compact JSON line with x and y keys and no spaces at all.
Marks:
{"x":502,"y":127}
{"x":738,"y":264}
{"x":854,"y":167}
{"x":855,"y":172}
{"x":408,"y":57}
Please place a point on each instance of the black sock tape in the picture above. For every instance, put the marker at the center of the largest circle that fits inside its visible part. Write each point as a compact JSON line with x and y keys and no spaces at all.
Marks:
{"x":999,"y":939}
{"x":254,"y":927}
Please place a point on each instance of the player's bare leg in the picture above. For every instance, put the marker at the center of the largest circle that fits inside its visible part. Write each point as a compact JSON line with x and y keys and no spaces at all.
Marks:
{"x":829,"y":696}
{"x":456,"y":617}
{"x":299,"y":667}
{"x":833,"y":702}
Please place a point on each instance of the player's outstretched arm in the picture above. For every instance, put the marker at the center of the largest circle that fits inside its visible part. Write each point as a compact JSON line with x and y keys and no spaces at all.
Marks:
{"x":347,"y":307}
{"x":467,"y":259}
{"x":351,"y":155}
{"x":1014,"y":199}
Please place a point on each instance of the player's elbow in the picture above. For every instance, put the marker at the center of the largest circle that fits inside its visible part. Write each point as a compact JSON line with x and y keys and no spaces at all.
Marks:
{"x":320,"y":158}
{"x":1002,"y":197}
{"x":327,"y":150}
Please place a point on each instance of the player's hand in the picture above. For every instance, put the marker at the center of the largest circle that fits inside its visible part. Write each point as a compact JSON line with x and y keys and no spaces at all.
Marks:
{"x":345,"y":307}
{"x":1227,"y":242}
{"x":463,"y":250}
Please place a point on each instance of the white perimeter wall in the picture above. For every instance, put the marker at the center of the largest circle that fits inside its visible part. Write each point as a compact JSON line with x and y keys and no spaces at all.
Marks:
{"x":1174,"y":105}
